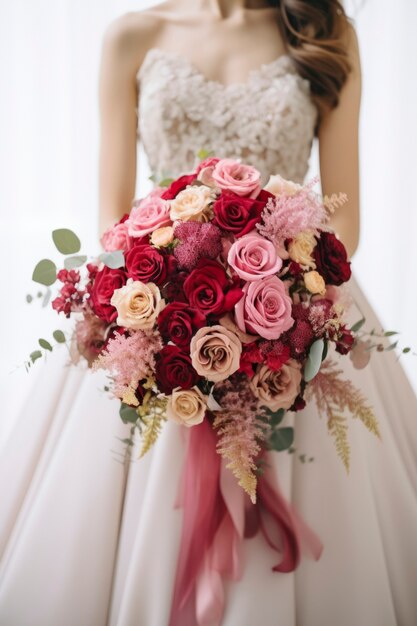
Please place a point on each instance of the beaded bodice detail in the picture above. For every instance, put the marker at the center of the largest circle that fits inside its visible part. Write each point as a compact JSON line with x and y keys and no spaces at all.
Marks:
{"x":267,"y":121}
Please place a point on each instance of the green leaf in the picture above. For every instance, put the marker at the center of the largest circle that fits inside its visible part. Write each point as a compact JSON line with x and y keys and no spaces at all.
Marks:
{"x":128,"y":414}
{"x":392,"y":346}
{"x":29,"y":298}
{"x":114,"y":260}
{"x":405,"y":350}
{"x":282,"y":439}
{"x":165,"y":182}
{"x":59,"y":336}
{"x":390,"y":333}
{"x":45,"y":344}
{"x":203,"y":154}
{"x":275,"y":417}
{"x":45,"y":272}
{"x":314,"y":360}
{"x":66,"y":241}
{"x":358,"y":325}
{"x":74,"y":261}
{"x":35,"y":355}
{"x":46,"y":298}
{"x":325,"y":350}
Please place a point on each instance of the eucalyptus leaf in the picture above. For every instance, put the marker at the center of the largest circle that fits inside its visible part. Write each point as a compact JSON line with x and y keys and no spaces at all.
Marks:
{"x":313,"y":363}
{"x":45,"y":272}
{"x":406,"y":350}
{"x":74,"y":261}
{"x":275,"y":417}
{"x":358,"y":325}
{"x":45,"y":344}
{"x":66,"y":241}
{"x":325,"y":350}
{"x":128,"y":414}
{"x":35,"y":355}
{"x":392,"y":346}
{"x":114,"y":260}
{"x":390,"y":333}
{"x":282,"y":438}
{"x":29,"y":298}
{"x":59,"y":336}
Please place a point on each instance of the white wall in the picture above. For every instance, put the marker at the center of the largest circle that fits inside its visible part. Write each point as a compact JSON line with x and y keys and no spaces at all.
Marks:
{"x":49,"y":59}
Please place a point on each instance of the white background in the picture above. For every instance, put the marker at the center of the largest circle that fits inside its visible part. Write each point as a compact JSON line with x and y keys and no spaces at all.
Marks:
{"x":49,"y":61}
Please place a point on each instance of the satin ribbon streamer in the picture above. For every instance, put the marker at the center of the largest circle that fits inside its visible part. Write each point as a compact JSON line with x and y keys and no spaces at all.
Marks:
{"x":217,"y":516}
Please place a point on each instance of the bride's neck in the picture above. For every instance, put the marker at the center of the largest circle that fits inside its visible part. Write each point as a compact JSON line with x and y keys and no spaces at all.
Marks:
{"x":226,"y":8}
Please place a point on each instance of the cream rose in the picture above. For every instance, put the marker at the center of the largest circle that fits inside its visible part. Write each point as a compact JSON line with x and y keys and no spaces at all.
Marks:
{"x":301,"y":248}
{"x":187,"y":406}
{"x":215,"y":352}
{"x":277,"y":389}
{"x":314,"y":282}
{"x":192,"y":203}
{"x":162,"y":237}
{"x":278,"y":185}
{"x":138,"y":304}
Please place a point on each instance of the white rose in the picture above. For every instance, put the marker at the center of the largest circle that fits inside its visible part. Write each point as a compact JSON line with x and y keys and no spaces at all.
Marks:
{"x":138,"y":304}
{"x":278,"y":185}
{"x":192,"y":204}
{"x":187,"y":406}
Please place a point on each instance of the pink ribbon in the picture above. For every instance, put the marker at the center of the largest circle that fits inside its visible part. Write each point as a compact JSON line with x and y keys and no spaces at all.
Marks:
{"x":217,"y":516}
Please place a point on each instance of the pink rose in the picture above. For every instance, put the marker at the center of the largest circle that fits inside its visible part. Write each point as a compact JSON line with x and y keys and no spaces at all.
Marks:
{"x":147,"y":215}
{"x":277,"y":389}
{"x":204,"y":171}
{"x":241,"y":179}
{"x":265,"y":308}
{"x":253,"y":257}
{"x":116,"y":237}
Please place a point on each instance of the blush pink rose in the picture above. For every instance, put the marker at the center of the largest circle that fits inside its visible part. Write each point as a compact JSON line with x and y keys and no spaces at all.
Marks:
{"x":277,"y":389}
{"x":116,"y":238}
{"x":147,"y":215}
{"x":265,"y":308}
{"x":253,"y":257}
{"x":241,"y":179}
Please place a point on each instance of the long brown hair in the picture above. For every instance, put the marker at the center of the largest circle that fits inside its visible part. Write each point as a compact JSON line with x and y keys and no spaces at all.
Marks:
{"x":315,"y":32}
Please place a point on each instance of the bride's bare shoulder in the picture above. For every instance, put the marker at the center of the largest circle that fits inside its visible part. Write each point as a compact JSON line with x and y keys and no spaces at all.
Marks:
{"x":134,"y":32}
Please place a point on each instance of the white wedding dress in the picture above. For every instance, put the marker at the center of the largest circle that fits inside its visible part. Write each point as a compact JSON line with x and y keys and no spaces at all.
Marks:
{"x":87,"y":540}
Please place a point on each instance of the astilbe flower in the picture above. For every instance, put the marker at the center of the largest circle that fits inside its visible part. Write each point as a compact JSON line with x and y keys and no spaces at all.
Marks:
{"x":196,"y":240}
{"x":286,"y":216}
{"x":239,"y":429}
{"x":129,"y":359}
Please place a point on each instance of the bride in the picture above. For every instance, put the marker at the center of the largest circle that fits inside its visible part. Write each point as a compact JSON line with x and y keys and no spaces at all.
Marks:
{"x":90,"y":541}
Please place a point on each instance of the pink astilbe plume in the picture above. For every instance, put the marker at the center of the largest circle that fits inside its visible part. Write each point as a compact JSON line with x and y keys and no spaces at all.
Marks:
{"x":286,"y":216}
{"x":240,"y":430}
{"x":128,"y":359}
{"x":197,"y":240}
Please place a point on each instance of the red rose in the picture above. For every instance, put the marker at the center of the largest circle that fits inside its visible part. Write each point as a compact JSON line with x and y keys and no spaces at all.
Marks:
{"x":237,"y":214}
{"x":105,"y":284}
{"x":331,"y":259}
{"x":177,"y":185}
{"x":145,"y":263}
{"x":209,"y":290}
{"x":174,"y":369}
{"x":178,"y":322}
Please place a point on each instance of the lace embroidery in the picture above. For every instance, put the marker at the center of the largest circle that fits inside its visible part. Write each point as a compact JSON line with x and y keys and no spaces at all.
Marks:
{"x":267,"y":121}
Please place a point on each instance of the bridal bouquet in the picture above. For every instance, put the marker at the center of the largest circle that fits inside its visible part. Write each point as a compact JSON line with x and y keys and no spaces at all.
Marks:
{"x":216,"y":301}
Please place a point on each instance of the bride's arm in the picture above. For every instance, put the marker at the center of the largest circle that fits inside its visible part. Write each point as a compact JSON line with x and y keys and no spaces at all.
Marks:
{"x":338,"y":148}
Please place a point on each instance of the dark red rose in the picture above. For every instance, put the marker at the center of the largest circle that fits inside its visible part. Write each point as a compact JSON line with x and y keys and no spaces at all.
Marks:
{"x":209,"y":290}
{"x":178,"y":322}
{"x":345,"y":341}
{"x":239,"y":215}
{"x":331,"y":259}
{"x":174,"y":289}
{"x":145,"y":263}
{"x":177,"y":185}
{"x":173,"y":369}
{"x":105,"y":284}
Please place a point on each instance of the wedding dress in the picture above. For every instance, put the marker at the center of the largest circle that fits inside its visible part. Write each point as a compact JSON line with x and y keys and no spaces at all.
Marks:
{"x":88,"y":540}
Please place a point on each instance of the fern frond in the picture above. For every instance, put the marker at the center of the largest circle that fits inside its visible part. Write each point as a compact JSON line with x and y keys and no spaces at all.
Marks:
{"x":335,"y":201}
{"x":153,"y":422}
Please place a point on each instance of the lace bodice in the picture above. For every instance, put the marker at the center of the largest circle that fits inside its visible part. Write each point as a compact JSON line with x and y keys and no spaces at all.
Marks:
{"x":268,"y":121}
